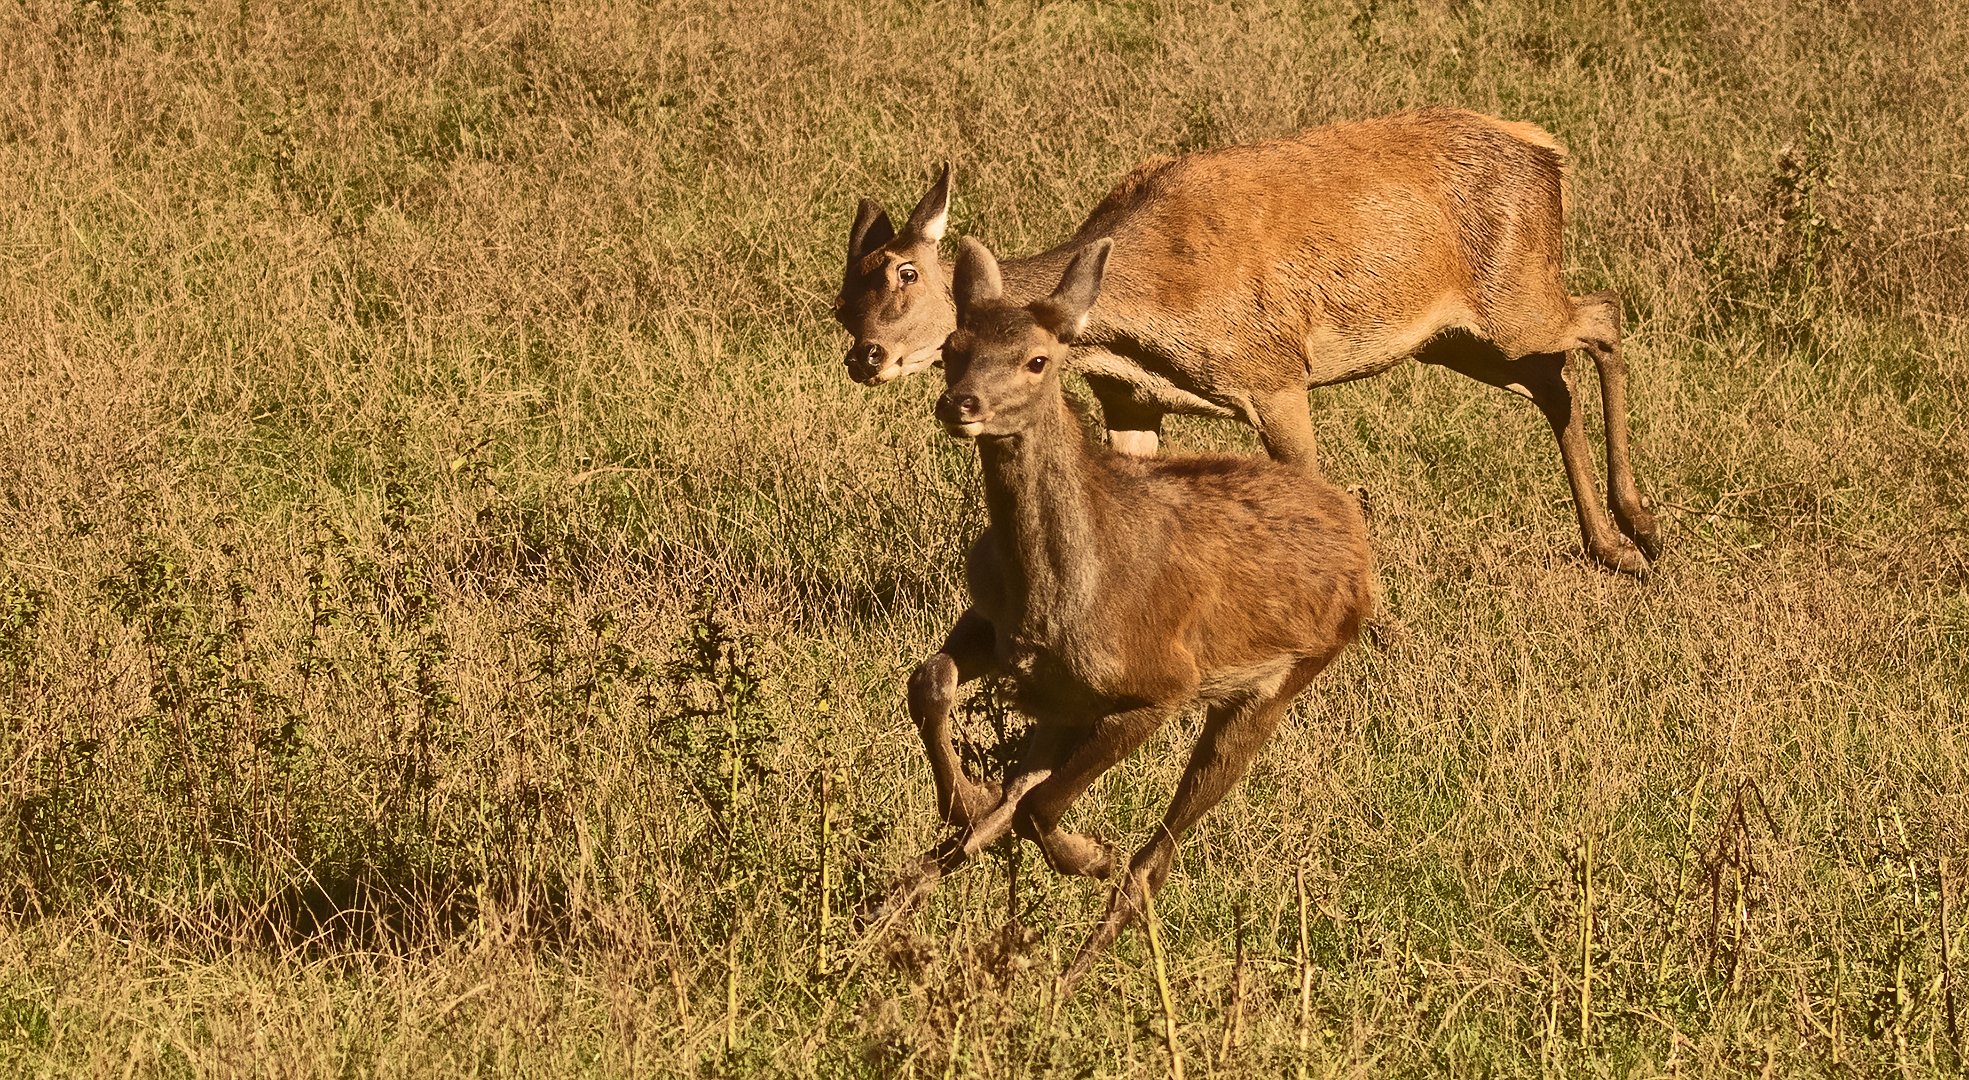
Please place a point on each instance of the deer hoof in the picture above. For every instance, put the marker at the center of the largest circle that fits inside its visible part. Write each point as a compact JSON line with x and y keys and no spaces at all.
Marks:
{"x":1640,"y":527}
{"x":1622,"y":557}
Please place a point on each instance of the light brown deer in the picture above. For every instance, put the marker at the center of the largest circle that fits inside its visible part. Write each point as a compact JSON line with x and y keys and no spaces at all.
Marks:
{"x":1114,"y":590}
{"x":1245,"y":275}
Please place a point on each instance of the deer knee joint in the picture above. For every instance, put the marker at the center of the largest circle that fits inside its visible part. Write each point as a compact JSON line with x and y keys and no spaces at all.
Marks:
{"x":1608,"y":303}
{"x":1153,"y":863}
{"x":931,"y":687}
{"x":1030,"y":825}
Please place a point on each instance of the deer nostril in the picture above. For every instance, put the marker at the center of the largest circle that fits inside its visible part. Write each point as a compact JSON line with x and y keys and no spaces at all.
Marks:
{"x":867,"y":354}
{"x":957,"y":408}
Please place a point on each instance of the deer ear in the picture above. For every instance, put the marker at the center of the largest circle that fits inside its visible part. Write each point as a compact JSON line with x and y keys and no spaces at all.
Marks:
{"x":871,"y":231}
{"x":976,"y":280}
{"x":932,"y":215}
{"x":1065,"y":312}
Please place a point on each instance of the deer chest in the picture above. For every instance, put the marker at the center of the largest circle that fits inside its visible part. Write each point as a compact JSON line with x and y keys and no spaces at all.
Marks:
{"x":1054,"y":675}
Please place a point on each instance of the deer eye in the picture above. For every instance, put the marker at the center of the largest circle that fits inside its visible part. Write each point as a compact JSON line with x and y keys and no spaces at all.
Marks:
{"x":1036,"y":365}
{"x":906,"y":274}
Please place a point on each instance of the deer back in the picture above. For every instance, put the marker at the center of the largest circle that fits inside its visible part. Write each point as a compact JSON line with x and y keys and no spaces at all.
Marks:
{"x":1331,"y":254}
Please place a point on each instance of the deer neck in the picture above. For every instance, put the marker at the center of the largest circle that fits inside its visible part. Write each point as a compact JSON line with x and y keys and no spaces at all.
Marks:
{"x":1040,"y":489}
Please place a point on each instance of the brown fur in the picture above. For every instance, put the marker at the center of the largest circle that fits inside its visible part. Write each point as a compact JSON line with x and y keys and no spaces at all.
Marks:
{"x":1245,"y":275}
{"x":1114,"y":591}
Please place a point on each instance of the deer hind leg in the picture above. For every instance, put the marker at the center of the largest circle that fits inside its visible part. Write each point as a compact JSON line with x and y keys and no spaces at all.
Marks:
{"x":1597,"y":323}
{"x":1550,"y":380}
{"x":1232,"y":735}
{"x":1546,"y":377}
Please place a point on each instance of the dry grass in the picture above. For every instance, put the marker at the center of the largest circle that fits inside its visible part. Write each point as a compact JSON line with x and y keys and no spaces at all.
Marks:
{"x":385,"y":386}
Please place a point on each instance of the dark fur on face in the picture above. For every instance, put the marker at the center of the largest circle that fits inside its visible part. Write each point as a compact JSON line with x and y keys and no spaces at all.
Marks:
{"x":1002,"y":365}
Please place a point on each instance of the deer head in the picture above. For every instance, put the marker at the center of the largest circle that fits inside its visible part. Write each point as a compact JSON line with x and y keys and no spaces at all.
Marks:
{"x":1002,"y":364}
{"x":894,"y":297}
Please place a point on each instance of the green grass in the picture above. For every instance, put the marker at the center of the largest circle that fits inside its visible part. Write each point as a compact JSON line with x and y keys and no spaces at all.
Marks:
{"x":391,"y":393}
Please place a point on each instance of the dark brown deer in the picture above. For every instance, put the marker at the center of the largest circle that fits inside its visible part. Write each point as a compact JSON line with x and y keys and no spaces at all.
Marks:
{"x":1243,"y":276}
{"x":1113,"y":591}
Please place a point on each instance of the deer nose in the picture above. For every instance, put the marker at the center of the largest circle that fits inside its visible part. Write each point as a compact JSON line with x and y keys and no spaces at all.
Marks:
{"x":865,"y":360}
{"x":955,"y":408}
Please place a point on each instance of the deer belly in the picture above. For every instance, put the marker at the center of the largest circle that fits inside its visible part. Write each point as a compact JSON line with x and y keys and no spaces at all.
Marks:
{"x":1337,"y":354}
{"x":1150,"y":387}
{"x":1329,"y":368}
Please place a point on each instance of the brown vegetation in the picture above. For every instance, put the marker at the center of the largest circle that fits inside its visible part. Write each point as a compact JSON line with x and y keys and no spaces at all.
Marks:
{"x":440,"y":557}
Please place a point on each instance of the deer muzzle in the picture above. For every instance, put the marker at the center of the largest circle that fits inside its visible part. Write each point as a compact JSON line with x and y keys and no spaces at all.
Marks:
{"x":865,"y":362}
{"x":962,"y":415}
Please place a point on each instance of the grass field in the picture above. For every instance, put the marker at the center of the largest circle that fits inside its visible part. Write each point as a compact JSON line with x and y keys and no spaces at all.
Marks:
{"x":454,"y":608}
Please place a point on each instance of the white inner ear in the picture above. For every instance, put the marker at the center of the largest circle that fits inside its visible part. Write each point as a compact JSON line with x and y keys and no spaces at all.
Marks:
{"x":1077,"y":327}
{"x":933,"y":228}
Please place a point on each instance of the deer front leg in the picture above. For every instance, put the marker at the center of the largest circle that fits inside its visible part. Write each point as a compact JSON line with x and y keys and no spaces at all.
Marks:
{"x":1082,"y":761}
{"x":967,"y":654}
{"x":1284,"y":420}
{"x":1035,"y":765}
{"x":1133,"y":427}
{"x":954,"y":852}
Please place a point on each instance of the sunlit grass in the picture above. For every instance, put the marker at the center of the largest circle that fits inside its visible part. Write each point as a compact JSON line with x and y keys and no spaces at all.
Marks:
{"x":394,"y":398}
